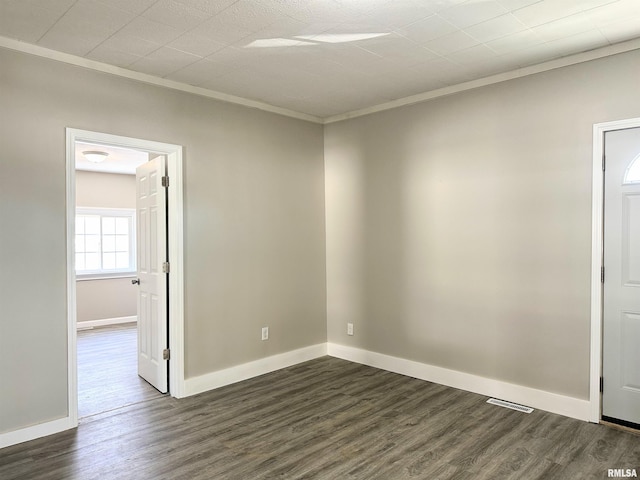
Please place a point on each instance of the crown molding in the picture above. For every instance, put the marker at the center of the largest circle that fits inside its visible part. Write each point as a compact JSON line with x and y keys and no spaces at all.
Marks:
{"x":493,"y":79}
{"x":31,"y":49}
{"x":36,"y":50}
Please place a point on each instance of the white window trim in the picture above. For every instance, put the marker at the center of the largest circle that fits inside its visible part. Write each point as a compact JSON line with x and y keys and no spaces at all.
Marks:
{"x":121,"y":273}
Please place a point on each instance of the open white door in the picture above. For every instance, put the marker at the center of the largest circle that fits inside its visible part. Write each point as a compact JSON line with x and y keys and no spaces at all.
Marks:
{"x":151,"y":245}
{"x":621,"y":314}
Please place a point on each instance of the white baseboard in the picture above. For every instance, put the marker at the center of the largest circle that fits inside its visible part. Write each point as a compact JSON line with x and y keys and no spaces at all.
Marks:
{"x":220,"y":378}
{"x":36,"y":431}
{"x":540,"y":399}
{"x":106,"y":321}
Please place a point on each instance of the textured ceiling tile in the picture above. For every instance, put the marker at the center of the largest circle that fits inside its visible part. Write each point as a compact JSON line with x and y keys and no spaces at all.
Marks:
{"x":210,"y":7}
{"x":55,"y":6}
{"x":576,"y":43}
{"x":427,"y":29}
{"x":177,"y":15}
{"x":567,"y":26}
{"x":21,"y":20}
{"x":440,"y":5}
{"x":309,"y":11}
{"x":133,"y":6}
{"x":615,"y":12}
{"x":97,"y":15}
{"x":496,"y":28}
{"x":547,"y":11}
{"x":443,"y":70}
{"x":471,"y":13}
{"x":249,"y":15}
{"x":124,"y":42}
{"x":474,"y":56}
{"x":621,"y":31}
{"x":147,"y":29}
{"x":222,"y":32}
{"x":451,"y":43}
{"x":397,"y":14}
{"x":197,"y":73}
{"x":164,"y":61}
{"x":516,"y":4}
{"x":112,"y":57}
{"x":76,"y":38}
{"x":196,"y":44}
{"x":396,"y":47}
{"x":515,"y":42}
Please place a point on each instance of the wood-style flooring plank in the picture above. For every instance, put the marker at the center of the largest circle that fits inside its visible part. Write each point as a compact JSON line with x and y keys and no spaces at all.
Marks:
{"x":325,"y":419}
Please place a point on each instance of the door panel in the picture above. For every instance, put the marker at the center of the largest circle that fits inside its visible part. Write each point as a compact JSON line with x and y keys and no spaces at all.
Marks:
{"x":631,"y":239}
{"x":151,"y":253}
{"x":621,"y":312}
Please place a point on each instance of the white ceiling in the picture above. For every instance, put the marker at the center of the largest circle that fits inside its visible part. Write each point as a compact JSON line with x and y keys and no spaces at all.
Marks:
{"x":119,"y":160}
{"x":321,"y":57}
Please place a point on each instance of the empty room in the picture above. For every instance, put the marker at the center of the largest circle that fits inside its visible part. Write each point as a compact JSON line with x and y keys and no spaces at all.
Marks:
{"x":370,"y":239}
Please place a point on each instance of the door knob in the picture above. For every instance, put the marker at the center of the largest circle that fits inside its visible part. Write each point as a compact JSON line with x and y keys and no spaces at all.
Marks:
{"x":135,"y":281}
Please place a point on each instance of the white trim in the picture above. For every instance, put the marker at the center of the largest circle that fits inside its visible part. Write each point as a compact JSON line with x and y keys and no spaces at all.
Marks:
{"x":501,"y":77}
{"x":175,"y":232}
{"x":175,"y":197}
{"x":72,"y":333}
{"x":36,"y":431}
{"x":540,"y":399}
{"x":227,"y":376}
{"x":597,"y":245}
{"x":595,"y":54}
{"x":36,"y":50}
{"x":106,"y":321}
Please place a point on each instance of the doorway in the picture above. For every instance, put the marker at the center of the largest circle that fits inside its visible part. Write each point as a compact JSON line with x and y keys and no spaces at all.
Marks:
{"x":173,"y":280}
{"x":615,"y":310}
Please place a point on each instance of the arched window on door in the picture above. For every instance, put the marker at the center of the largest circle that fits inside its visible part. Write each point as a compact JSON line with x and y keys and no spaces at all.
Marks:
{"x":632,"y":175}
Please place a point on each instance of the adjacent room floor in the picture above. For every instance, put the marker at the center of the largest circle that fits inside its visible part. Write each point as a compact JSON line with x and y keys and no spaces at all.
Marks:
{"x":108,"y":370}
{"x":325,"y":419}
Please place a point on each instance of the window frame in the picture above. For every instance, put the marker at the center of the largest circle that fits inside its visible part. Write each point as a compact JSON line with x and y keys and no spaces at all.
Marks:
{"x":129,"y":213}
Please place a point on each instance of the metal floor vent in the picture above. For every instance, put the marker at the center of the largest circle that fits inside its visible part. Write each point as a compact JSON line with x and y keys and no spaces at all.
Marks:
{"x":512,"y":406}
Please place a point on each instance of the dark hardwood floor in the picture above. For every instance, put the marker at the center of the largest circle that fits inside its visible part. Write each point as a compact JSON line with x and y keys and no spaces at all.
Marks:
{"x":325,"y":419}
{"x":108,"y":370}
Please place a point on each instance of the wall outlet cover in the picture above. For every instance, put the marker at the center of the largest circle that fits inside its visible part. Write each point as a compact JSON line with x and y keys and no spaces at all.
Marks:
{"x":265,"y":333}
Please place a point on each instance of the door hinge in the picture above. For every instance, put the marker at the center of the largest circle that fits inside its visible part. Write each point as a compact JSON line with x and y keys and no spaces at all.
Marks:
{"x":165,"y":267}
{"x":601,"y":384}
{"x":604,"y":162}
{"x":165,"y":181}
{"x":601,"y":274}
{"x":166,"y":354}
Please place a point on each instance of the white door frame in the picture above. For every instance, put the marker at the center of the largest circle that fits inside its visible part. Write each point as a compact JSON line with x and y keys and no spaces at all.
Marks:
{"x":176,"y":277}
{"x":597,"y":245}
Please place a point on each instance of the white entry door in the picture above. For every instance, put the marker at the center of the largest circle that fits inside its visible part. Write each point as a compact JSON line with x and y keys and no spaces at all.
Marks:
{"x":621,"y":329}
{"x":152,"y":281}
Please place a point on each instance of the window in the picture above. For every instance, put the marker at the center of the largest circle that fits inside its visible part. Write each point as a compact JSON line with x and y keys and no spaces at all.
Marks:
{"x":105,"y":242}
{"x":632,"y":175}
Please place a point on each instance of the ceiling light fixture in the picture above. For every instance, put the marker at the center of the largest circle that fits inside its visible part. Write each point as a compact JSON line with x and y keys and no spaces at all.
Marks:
{"x":304,"y":40}
{"x":95,"y":156}
{"x":341,"y":37}
{"x":277,"y":42}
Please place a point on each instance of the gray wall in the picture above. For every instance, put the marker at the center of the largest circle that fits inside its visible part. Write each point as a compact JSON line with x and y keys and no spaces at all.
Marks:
{"x":106,"y":297}
{"x":254,"y":239}
{"x":459,"y":230}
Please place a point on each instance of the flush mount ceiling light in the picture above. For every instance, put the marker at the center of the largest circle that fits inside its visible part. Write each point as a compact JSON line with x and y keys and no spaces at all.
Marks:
{"x":277,"y":42}
{"x":313,"y":39}
{"x":95,"y":156}
{"x":341,"y":37}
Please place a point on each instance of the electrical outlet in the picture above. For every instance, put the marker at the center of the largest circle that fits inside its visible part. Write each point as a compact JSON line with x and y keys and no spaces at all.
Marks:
{"x":349,"y":328}
{"x":265,"y":333}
